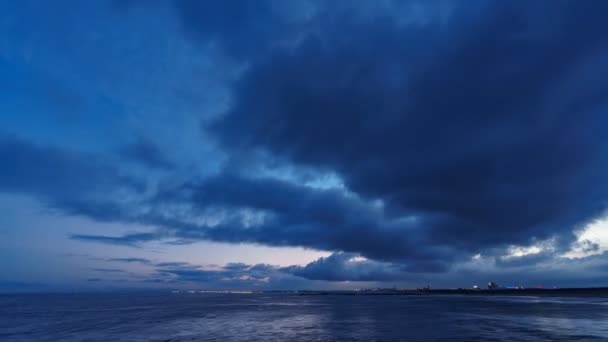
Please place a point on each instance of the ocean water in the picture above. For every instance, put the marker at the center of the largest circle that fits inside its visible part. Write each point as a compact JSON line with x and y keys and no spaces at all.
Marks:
{"x":281,"y":317}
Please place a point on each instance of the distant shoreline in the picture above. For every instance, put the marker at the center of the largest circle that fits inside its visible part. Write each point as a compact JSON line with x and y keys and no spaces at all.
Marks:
{"x":601,"y":292}
{"x":559,"y":292}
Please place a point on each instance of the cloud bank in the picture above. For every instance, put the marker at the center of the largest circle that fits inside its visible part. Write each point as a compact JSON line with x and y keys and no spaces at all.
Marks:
{"x":413,"y":136}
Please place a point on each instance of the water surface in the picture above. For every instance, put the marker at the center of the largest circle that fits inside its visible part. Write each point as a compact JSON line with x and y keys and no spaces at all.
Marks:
{"x":281,"y":317}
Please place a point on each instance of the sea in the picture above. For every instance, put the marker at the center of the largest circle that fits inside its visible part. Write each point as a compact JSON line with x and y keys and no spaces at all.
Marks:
{"x":292,"y":317}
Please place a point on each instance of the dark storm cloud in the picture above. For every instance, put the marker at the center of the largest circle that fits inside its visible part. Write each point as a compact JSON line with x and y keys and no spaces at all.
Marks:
{"x":471,"y":136}
{"x":176,"y":272}
{"x":240,"y":27}
{"x":70,"y":182}
{"x":528,"y":270}
{"x":230,"y":275}
{"x":146,"y":153}
{"x":451,"y":139}
{"x":495,"y":137}
{"x":236,"y":266}
{"x":343,"y":266}
{"x":131,"y":260}
{"x":127,"y":240}
{"x":58,"y":175}
{"x":108,"y":270}
{"x":263,"y":211}
{"x":282,"y":213}
{"x":174,"y":264}
{"x":248,"y":30}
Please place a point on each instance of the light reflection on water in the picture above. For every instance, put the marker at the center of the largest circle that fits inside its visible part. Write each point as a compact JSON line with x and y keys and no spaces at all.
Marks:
{"x":222,"y":317}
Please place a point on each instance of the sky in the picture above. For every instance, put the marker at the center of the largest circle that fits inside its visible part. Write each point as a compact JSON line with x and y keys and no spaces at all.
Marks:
{"x":303,"y":144}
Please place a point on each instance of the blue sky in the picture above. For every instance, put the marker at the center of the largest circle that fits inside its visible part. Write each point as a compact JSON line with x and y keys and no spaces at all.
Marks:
{"x":302,"y":144}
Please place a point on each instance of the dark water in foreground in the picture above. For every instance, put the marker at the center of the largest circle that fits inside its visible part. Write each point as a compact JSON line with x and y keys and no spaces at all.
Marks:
{"x":278,"y":317}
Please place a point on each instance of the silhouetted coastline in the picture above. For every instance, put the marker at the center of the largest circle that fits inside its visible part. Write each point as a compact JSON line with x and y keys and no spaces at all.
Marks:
{"x":558,"y":292}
